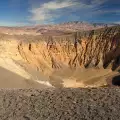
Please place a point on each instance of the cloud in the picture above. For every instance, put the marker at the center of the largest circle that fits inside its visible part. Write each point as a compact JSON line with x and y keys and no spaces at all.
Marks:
{"x":50,"y":11}
{"x":53,"y":5}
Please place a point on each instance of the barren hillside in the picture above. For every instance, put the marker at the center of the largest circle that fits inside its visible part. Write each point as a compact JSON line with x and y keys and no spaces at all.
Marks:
{"x":79,"y":59}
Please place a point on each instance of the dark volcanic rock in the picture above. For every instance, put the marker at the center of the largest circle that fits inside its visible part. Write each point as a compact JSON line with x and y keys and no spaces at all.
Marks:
{"x":60,"y":104}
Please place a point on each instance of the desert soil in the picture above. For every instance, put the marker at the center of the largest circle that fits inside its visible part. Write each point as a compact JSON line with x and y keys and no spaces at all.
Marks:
{"x":60,"y":104}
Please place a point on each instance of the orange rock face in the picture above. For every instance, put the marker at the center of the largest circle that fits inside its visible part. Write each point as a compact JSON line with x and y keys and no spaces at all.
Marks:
{"x":52,"y":53}
{"x":62,"y":58}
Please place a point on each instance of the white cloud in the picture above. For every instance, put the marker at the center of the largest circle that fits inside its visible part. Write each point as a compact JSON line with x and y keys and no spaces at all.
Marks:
{"x":49,"y":11}
{"x":58,"y":5}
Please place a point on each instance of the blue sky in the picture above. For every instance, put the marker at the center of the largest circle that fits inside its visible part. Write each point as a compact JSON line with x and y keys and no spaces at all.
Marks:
{"x":31,"y":12}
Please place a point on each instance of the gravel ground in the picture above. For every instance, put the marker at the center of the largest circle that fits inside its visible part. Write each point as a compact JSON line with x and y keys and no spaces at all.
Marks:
{"x":60,"y":104}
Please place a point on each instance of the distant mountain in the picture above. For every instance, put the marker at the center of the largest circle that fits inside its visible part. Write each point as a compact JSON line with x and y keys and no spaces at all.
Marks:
{"x":56,"y":28}
{"x":82,"y":25}
{"x":105,"y":24}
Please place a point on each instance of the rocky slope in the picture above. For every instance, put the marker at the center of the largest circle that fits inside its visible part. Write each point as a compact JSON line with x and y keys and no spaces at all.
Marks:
{"x":68,"y":55}
{"x":81,"y":49}
{"x":79,"y":59}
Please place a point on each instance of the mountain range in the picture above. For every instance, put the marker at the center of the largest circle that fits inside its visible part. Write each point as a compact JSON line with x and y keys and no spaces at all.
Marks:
{"x":54,"y":29}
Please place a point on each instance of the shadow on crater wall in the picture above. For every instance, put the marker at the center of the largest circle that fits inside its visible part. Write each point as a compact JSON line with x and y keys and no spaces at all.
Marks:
{"x":116,"y":80}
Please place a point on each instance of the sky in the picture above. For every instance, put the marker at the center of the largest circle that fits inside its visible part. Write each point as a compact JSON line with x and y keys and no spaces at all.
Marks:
{"x":32,"y":12}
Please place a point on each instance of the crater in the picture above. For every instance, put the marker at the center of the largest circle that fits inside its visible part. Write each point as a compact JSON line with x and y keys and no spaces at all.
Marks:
{"x":116,"y":80}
